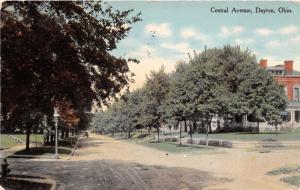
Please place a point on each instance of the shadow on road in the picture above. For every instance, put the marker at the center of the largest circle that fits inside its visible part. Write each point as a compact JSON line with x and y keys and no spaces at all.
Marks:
{"x":117,"y":175}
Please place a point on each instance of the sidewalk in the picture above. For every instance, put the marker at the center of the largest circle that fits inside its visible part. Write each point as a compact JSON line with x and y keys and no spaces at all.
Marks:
{"x":44,"y":157}
{"x":10,"y":151}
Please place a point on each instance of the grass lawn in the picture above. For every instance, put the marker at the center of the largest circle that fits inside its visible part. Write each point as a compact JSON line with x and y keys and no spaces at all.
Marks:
{"x":174,"y":148}
{"x":6,"y":142}
{"x":238,"y":136}
{"x":293,"y":173}
{"x":48,"y":150}
{"x":168,"y":147}
{"x":285,"y":170}
{"x":249,"y":136}
{"x":65,"y":148}
{"x":292,"y":180}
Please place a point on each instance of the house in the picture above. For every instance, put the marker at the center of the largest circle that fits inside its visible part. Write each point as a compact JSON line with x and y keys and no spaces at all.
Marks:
{"x":289,"y":78}
{"x":286,"y":76}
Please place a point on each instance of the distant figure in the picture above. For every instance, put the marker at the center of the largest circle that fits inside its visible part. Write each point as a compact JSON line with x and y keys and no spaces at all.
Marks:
{"x":86,"y":134}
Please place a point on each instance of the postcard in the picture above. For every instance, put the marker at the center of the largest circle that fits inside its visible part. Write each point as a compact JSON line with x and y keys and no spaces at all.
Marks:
{"x":150,"y":95}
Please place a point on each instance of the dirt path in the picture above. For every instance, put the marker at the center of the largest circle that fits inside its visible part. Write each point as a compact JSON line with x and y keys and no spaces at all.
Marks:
{"x":115,"y":175}
{"x":245,"y":169}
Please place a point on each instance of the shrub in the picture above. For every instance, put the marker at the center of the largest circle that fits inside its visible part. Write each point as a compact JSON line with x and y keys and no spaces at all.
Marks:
{"x":227,"y":144}
{"x":214,"y":143}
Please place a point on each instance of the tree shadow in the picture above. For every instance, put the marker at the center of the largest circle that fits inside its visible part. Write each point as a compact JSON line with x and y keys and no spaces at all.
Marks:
{"x":117,"y":175}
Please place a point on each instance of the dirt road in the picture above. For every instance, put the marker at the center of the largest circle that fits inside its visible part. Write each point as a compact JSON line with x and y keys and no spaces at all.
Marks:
{"x":243,"y":169}
{"x":115,"y":175}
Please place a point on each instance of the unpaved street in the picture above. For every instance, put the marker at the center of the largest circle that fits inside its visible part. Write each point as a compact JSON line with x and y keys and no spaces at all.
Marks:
{"x":242,"y":168}
{"x":115,"y":175}
{"x":107,"y":164}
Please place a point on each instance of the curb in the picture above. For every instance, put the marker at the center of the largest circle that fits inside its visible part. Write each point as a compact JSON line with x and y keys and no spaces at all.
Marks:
{"x":33,"y":179}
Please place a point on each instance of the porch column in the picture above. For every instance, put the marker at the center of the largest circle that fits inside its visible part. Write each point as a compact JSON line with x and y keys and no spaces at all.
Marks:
{"x":292,"y":116}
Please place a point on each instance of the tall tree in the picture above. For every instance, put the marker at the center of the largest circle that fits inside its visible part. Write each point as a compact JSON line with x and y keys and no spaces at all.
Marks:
{"x":156,"y":89}
{"x":60,"y":51}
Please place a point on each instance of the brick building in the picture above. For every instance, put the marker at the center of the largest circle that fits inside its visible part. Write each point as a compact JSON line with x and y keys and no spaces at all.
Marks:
{"x":286,"y":76}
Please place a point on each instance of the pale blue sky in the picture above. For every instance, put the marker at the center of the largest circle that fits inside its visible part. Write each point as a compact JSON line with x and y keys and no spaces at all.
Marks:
{"x":171,"y":29}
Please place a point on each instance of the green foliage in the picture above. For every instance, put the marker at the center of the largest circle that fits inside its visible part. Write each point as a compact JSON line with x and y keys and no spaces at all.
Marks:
{"x":217,"y":82}
{"x":295,"y":169}
{"x":44,"y":150}
{"x":140,"y":108}
{"x":228,"y":81}
{"x":292,"y":180}
{"x":55,"y":52}
{"x":6,"y":142}
{"x":156,"y":89}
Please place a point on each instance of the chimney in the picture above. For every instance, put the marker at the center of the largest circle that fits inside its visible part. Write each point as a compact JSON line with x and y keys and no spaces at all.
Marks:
{"x":288,"y":65}
{"x":263,"y":63}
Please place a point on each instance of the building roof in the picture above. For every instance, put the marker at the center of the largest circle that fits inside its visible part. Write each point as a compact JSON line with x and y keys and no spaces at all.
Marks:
{"x":276,"y":68}
{"x":293,"y":73}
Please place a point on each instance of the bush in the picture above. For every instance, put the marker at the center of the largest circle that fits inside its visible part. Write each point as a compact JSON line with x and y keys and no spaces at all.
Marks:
{"x":292,"y":180}
{"x":201,"y":130}
{"x":217,"y":143}
{"x":68,"y":142}
{"x":226,"y":144}
{"x":249,"y":129}
{"x":44,"y":150}
{"x":289,"y":128}
{"x":214,"y":143}
{"x":171,"y":139}
{"x":202,"y":142}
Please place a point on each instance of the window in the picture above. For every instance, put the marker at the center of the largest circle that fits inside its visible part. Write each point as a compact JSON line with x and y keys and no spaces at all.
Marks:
{"x":296,"y":94}
{"x":285,"y":90}
{"x":286,"y":116}
{"x":297,"y":116}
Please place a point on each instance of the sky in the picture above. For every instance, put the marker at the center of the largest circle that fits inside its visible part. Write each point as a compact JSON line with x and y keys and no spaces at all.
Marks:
{"x":172,"y":29}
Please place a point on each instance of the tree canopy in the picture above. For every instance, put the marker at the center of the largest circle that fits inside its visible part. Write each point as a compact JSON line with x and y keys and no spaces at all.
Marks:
{"x":217,"y":82}
{"x":59,"y":53}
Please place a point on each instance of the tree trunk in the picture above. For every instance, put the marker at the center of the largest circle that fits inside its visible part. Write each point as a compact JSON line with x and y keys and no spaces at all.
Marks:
{"x":52,"y":138}
{"x":27,"y":136}
{"x":67,"y":133}
{"x":157,"y":134}
{"x":218,"y":123}
{"x":209,"y":126}
{"x":209,"y":121}
{"x":47,"y":137}
{"x":179,"y":134}
{"x":233,"y":121}
{"x":194,"y":127}
{"x":244,"y":120}
{"x":276,"y":134}
{"x":258,"y":127}
{"x":185,"y":126}
{"x":191,"y":137}
{"x":129,"y":135}
{"x":149,"y":131}
{"x":62,"y":133}
{"x":206,"y":138}
{"x":164,"y":135}
{"x":225,"y":121}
